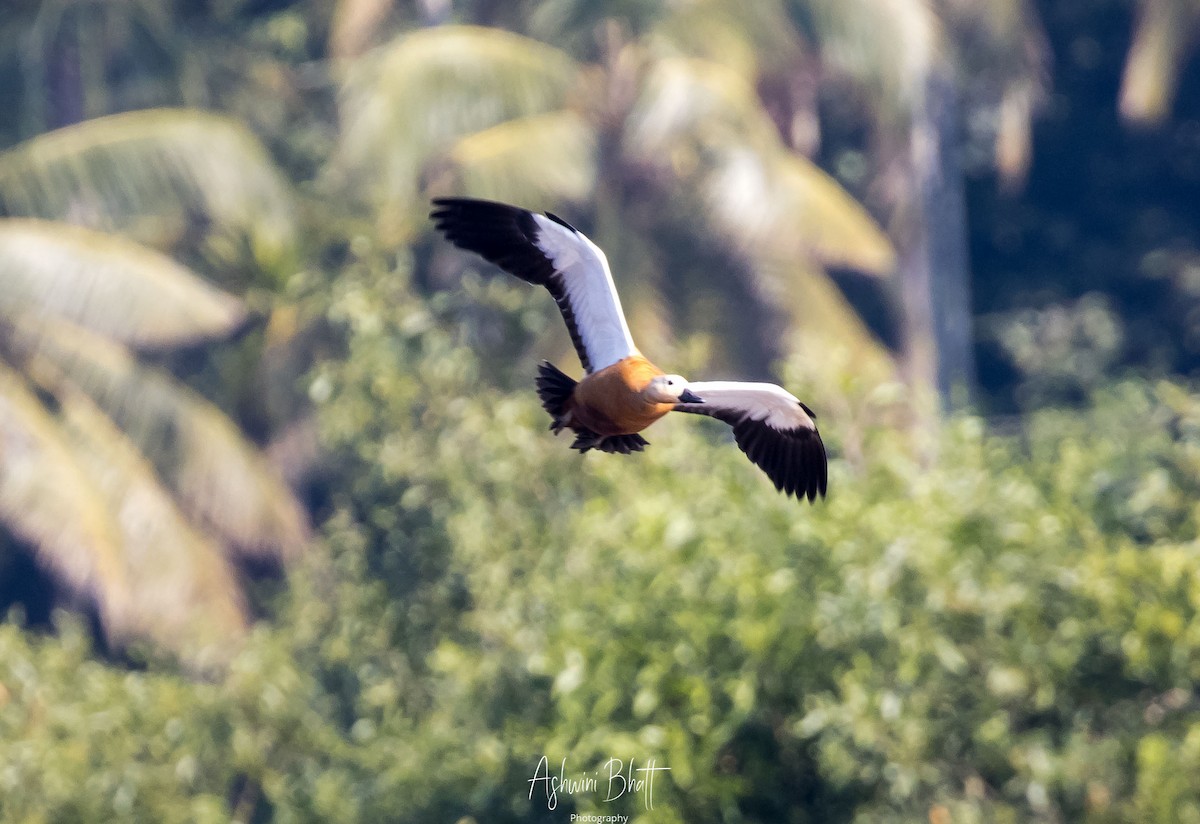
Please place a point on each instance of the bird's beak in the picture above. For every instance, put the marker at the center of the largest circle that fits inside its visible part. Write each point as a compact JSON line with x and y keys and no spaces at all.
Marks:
{"x":688,"y":396}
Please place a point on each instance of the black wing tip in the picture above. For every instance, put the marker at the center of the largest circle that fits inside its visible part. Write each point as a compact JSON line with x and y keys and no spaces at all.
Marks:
{"x":444,"y":205}
{"x":507,"y":236}
{"x":815,"y":478}
{"x":456,"y":202}
{"x":450,"y":207}
{"x":793,"y":459}
{"x":561,"y":222}
{"x":472,"y":209}
{"x":499,"y":233}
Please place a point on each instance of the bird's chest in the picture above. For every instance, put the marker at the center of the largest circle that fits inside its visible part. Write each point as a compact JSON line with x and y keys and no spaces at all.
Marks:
{"x":610,"y":402}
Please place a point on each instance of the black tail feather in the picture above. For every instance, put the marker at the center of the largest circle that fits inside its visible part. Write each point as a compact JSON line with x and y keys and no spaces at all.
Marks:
{"x":554,"y":388}
{"x":624,"y":444}
{"x":619,"y":444}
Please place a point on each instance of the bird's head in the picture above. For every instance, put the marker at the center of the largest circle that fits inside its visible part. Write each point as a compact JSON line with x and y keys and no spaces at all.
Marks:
{"x":670,"y":389}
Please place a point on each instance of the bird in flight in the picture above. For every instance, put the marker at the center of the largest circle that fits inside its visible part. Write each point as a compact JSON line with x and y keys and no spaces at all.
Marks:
{"x":622,"y":392}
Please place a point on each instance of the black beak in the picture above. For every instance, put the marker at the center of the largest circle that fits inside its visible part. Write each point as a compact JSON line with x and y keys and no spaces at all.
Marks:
{"x":688,"y":396}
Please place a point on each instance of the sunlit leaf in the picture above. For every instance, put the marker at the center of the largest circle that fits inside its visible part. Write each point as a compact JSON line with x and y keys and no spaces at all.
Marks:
{"x":548,"y":157}
{"x":886,"y":46}
{"x":110,"y":285}
{"x":748,"y":38}
{"x":405,"y":105}
{"x":787,"y":206}
{"x":703,"y":123}
{"x":183,"y":594}
{"x":355,"y":23}
{"x":1165,"y":33}
{"x":221,"y":480}
{"x":1014,"y":138}
{"x":687,"y":106}
{"x":157,"y":175}
{"x":49,"y":501}
{"x":827,"y":333}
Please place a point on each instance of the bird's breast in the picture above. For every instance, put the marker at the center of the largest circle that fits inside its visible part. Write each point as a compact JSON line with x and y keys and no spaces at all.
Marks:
{"x":610,"y":402}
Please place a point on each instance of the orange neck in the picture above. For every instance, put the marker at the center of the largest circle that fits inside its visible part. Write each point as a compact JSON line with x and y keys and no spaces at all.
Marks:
{"x":636,"y":372}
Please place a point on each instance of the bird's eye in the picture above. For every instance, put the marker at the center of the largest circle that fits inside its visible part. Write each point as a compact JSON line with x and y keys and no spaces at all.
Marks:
{"x":670,"y":383}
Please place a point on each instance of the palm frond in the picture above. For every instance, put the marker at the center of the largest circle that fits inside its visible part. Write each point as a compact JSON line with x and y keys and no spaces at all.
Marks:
{"x":825,"y":331}
{"x":109,"y":285}
{"x":748,"y":38}
{"x":156,"y":175}
{"x":1164,"y":36}
{"x":1014,"y":133}
{"x":355,"y":24}
{"x":705,"y":125}
{"x":183,"y":593}
{"x":687,"y":107}
{"x":887,"y":47}
{"x":222,"y":482}
{"x":48,"y":501}
{"x":1003,"y":58}
{"x":785,"y":206}
{"x":403,"y":105}
{"x":574,"y":22}
{"x":546,"y":157}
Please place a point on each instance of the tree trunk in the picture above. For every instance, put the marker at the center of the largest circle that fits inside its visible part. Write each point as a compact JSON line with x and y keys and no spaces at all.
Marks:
{"x":931,"y":239}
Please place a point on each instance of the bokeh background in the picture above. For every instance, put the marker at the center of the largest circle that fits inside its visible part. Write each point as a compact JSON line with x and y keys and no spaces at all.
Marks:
{"x":283,"y":536}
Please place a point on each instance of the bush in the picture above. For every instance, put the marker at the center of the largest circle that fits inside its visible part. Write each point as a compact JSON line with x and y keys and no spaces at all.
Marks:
{"x":1007,"y":634}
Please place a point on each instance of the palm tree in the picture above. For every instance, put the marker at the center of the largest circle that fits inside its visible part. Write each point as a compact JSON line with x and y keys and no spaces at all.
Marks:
{"x":133,"y":489}
{"x":172,"y":178}
{"x":909,"y":62}
{"x":664,"y":122}
{"x":659,"y":142}
{"x":77,"y":59}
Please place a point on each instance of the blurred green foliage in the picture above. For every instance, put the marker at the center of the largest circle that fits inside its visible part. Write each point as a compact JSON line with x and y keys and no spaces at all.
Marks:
{"x":976,"y":626}
{"x":1006,"y":635}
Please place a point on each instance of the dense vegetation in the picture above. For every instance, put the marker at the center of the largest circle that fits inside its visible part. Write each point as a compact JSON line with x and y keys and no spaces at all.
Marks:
{"x":989,"y":619}
{"x":1009,"y":634}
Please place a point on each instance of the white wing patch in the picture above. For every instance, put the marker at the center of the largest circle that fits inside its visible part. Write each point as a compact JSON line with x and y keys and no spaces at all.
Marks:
{"x":590,"y":291}
{"x":773,"y":428}
{"x":766,"y":402}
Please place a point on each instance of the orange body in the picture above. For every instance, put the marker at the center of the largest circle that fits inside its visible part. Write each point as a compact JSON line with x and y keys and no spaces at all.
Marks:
{"x":610,"y":402}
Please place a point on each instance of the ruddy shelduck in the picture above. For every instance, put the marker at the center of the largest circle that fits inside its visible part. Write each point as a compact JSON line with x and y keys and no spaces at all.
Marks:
{"x":622,"y":392}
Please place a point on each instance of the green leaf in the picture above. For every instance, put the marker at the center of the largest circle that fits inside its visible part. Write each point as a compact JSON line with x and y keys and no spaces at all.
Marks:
{"x":828,"y":336}
{"x":109,"y":285}
{"x":156,"y":175}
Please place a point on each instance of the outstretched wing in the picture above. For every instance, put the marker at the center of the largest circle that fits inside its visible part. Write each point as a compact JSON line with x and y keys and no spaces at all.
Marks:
{"x":546,"y":250}
{"x":775,"y":430}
